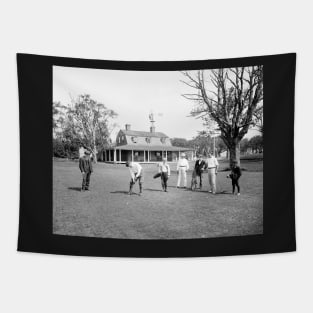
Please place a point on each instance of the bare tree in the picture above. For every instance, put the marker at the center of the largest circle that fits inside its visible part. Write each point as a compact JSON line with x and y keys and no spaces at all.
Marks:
{"x":258,"y":118}
{"x":230,"y":97}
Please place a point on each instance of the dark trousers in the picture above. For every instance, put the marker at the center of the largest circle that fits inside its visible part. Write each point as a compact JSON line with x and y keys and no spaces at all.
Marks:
{"x":86,"y":181}
{"x":164,"y":179}
{"x":235,"y":182}
{"x":200,"y":176}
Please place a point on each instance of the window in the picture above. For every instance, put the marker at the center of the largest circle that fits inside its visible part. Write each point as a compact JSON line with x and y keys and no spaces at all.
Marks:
{"x":163,"y":140}
{"x":148,"y":140}
{"x":134,"y":139}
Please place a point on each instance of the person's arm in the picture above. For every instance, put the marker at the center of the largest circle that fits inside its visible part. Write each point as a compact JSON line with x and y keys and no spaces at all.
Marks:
{"x":187,"y":165}
{"x":81,"y":165}
{"x":139,"y":171}
{"x":168,"y":170}
{"x":132,"y":175}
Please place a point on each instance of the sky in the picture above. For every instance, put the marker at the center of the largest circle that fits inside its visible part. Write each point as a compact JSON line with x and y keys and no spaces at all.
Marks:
{"x":133,"y":95}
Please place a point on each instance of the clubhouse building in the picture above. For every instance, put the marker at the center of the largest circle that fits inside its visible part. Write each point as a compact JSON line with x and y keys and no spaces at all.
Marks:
{"x":144,"y":147}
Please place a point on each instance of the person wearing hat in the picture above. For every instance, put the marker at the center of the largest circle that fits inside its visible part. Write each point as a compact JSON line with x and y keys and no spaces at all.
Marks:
{"x":199,"y":168}
{"x":165,"y":172}
{"x":136,"y":173}
{"x":212,"y":166}
{"x":182,"y":168}
{"x":85,"y":166}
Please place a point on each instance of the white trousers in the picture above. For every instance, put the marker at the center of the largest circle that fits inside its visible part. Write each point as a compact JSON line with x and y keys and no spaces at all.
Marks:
{"x":212,"y":180}
{"x":182,"y":174}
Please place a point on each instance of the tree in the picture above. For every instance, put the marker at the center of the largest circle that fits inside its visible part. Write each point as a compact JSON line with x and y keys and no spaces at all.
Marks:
{"x":85,"y":121}
{"x":89,"y":120}
{"x":244,"y":145}
{"x":256,"y":144}
{"x":179,"y":142}
{"x":229,"y":97}
{"x":201,"y":143}
{"x":258,"y":117}
{"x":220,"y":145}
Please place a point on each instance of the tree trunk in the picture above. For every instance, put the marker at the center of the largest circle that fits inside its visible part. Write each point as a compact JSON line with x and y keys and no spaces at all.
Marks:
{"x":234,"y":153}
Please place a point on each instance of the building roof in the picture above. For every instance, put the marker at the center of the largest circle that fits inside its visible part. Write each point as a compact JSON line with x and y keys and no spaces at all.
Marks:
{"x":143,"y":133}
{"x":152,"y":148}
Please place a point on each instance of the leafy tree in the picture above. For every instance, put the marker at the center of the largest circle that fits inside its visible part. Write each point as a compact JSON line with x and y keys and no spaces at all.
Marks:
{"x":230,"y":98}
{"x":256,"y":144}
{"x":180,"y":142}
{"x":244,"y":145}
{"x":85,"y":121}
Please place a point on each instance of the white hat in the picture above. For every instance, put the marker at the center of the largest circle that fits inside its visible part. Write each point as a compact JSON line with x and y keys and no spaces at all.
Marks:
{"x":183,"y":155}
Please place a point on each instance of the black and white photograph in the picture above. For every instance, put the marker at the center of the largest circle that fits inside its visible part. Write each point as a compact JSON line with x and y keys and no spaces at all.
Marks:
{"x":158,"y":154}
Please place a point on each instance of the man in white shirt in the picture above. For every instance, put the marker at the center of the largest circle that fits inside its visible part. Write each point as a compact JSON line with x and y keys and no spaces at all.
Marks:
{"x":212,"y":166}
{"x":182,"y":168}
{"x":136,"y":173}
{"x":81,"y":151}
{"x":165,"y":171}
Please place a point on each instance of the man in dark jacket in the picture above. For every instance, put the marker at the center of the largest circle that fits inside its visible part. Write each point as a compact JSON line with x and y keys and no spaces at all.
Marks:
{"x":234,"y":176}
{"x":85,"y":166}
{"x":199,"y":168}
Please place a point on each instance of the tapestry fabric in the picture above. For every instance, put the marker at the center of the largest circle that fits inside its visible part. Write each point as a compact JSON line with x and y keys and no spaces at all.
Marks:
{"x":156,"y":158}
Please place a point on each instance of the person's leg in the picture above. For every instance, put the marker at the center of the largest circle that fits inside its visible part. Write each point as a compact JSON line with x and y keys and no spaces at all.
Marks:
{"x":162,"y":180}
{"x":185,"y":177}
{"x":210,"y":180}
{"x":87,"y":180}
{"x":140,"y":179}
{"x":84,"y":181}
{"x":200,"y":180}
{"x":165,"y":181}
{"x":213,"y":181}
{"x":238,"y":187}
{"x":179,"y":177}
{"x":233,"y":182}
{"x":131,"y":185}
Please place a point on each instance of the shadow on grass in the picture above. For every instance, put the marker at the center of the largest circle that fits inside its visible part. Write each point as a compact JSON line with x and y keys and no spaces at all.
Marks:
{"x":150,"y":189}
{"x":223,"y":192}
{"x":74,"y":188}
{"x":125,"y":193}
{"x":121,"y":192}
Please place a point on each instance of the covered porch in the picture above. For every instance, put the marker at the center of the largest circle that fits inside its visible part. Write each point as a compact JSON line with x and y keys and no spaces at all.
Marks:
{"x":122,"y":154}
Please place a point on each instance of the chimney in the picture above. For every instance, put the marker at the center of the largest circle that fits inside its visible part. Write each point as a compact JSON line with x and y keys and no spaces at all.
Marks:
{"x":127,"y":126}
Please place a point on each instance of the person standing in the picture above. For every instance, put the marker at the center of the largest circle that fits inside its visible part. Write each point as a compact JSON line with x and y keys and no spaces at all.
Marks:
{"x":85,"y":166}
{"x":136,"y":173}
{"x":212,"y":166}
{"x":235,"y":175}
{"x":182,"y":168}
{"x":165,"y":171}
{"x":199,"y":168}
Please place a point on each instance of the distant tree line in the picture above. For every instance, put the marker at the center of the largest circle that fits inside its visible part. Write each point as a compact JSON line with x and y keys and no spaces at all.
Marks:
{"x":203,"y":143}
{"x":252,"y":145}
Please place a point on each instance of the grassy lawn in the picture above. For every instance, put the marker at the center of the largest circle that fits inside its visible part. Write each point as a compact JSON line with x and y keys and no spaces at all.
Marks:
{"x":107,"y":210}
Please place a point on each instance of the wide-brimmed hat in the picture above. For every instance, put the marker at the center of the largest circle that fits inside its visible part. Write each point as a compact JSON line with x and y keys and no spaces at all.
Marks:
{"x":183,"y":155}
